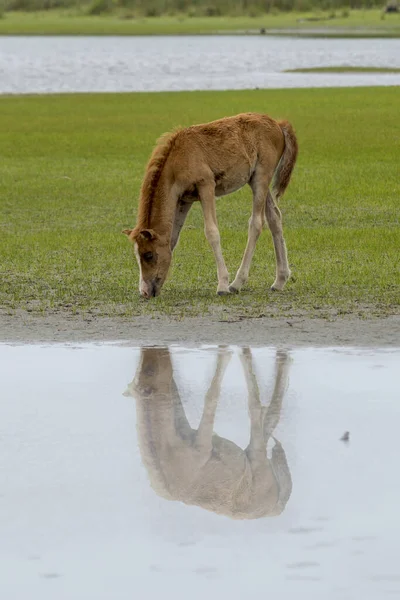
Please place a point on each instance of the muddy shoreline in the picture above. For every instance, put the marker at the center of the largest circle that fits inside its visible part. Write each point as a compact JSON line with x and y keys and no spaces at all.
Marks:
{"x":22,"y":328}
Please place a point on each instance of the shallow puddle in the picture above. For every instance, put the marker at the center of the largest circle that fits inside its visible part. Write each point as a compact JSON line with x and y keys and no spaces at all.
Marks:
{"x":185,"y":472}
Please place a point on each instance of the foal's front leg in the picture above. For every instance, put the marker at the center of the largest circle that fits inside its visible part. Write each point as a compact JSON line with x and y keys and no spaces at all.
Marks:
{"x":181,"y":213}
{"x":207,"y":197}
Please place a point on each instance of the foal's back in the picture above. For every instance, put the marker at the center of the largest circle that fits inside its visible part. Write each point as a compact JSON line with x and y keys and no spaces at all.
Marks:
{"x":226,"y":151}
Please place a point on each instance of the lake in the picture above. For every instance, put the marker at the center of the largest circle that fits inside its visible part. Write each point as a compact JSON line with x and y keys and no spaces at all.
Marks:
{"x":136,"y":64}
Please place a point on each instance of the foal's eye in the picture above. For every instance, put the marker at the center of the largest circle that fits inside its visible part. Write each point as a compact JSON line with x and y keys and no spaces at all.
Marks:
{"x":148,"y":256}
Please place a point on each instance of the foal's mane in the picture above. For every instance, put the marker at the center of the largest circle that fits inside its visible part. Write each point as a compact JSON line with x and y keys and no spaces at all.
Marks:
{"x":152,"y":176}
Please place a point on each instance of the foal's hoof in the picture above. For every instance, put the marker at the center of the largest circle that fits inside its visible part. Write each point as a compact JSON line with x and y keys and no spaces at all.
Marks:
{"x":223,"y":293}
{"x":233,"y":290}
{"x":278,"y":286}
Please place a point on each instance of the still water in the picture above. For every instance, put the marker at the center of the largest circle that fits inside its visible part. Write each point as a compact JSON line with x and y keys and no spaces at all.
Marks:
{"x":122,"y":64}
{"x":198,"y":472}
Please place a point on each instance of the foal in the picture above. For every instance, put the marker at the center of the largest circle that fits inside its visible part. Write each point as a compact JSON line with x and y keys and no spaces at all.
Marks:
{"x":207,"y":161}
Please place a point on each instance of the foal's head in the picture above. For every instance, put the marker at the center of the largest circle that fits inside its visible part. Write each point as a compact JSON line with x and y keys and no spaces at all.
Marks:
{"x":153,"y":253}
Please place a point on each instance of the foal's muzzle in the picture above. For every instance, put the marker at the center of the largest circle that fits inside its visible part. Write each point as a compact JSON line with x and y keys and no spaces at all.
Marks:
{"x":151,"y":290}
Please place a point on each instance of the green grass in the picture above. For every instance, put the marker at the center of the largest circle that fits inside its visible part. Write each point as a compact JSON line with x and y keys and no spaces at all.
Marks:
{"x":343,"y":69}
{"x":69,"y":22}
{"x":70,"y":172}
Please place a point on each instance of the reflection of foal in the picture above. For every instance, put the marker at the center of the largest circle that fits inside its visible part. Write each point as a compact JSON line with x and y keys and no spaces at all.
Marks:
{"x":197,"y":466}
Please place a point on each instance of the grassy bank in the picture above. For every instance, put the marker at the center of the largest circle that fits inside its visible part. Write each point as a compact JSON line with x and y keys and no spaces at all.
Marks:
{"x":344,"y":69}
{"x":70,"y":174}
{"x":70,"y":22}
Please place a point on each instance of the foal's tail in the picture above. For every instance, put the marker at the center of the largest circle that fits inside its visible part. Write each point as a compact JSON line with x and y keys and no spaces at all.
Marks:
{"x":286,"y":164}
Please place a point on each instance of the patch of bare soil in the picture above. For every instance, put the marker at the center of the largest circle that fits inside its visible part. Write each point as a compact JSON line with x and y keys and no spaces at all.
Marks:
{"x":24,"y":327}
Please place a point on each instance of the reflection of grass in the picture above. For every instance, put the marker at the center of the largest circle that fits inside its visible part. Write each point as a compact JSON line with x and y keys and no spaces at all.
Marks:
{"x":365,"y":23}
{"x":345,"y":70}
{"x":70,"y":174}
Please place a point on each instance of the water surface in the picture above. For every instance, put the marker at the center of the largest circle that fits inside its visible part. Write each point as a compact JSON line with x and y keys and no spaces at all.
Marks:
{"x":127,"y":471}
{"x":122,"y":64}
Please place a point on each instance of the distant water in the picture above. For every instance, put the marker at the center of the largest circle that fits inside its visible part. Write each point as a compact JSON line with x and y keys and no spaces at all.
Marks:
{"x":123,"y":64}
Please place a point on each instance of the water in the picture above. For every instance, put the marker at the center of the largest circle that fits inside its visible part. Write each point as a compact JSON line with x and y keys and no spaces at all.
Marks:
{"x":122,"y":64}
{"x":112,"y":486}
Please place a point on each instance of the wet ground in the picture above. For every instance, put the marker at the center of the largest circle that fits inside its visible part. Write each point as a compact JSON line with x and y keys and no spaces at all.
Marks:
{"x":185,"y":472}
{"x":46,"y":64}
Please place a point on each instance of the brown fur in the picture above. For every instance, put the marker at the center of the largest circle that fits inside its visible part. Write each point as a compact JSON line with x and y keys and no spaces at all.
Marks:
{"x":154,"y":169}
{"x":284,"y":169}
{"x":202,"y":162}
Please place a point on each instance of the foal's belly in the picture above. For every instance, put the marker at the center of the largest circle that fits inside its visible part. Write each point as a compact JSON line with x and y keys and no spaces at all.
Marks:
{"x":229,"y":188}
{"x":232,"y":180}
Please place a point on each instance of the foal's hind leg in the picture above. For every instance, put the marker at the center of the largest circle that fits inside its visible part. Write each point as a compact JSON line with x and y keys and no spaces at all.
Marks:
{"x":272,"y":413}
{"x":259,"y":185}
{"x":274,"y":219}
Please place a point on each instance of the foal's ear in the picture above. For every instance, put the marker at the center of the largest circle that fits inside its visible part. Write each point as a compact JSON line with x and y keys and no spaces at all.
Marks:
{"x":127,"y":232}
{"x":148,"y":234}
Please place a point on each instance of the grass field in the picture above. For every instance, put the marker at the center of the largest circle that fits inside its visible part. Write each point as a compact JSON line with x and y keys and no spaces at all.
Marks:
{"x":366,"y":23}
{"x":70,"y":173}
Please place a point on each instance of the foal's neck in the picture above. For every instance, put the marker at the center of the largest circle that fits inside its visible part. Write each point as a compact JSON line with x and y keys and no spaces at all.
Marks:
{"x":158,"y":212}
